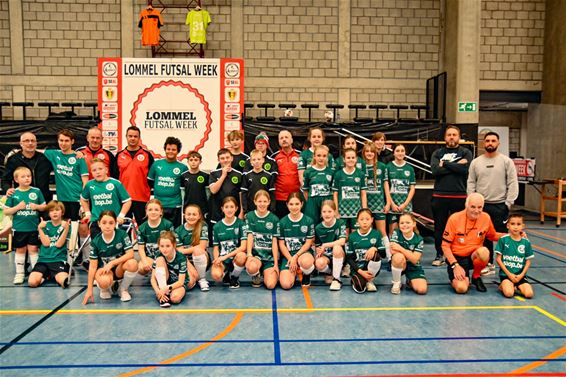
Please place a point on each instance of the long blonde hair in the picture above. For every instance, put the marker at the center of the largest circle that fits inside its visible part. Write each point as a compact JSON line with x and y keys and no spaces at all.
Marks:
{"x":370,"y":146}
{"x":197,"y":229}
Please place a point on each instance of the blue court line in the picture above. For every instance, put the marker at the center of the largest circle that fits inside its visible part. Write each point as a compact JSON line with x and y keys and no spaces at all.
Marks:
{"x":275,"y":320}
{"x":554,"y":229}
{"x":283,"y":364}
{"x":547,"y":239}
{"x":548,"y":256}
{"x":248,"y":341}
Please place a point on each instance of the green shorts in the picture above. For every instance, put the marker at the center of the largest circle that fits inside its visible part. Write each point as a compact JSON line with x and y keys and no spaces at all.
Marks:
{"x":379,"y":216}
{"x":414,"y":272}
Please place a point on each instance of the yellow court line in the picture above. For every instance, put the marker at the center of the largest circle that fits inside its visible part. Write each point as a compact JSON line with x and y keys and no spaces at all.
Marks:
{"x":183,"y":355}
{"x":519,"y":298}
{"x":527,"y":368}
{"x":551,"y":316}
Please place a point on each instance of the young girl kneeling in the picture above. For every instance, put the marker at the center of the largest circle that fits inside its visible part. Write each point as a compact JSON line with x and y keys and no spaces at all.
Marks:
{"x":330,"y":238}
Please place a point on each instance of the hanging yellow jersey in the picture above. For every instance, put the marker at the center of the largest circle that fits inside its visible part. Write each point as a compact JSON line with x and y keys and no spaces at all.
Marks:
{"x":198,"y":21}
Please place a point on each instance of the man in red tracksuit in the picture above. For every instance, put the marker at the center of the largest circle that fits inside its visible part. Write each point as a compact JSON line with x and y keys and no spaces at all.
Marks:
{"x":287,"y":180}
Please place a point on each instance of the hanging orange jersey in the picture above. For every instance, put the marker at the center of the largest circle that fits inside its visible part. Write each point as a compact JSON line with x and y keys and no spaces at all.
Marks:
{"x":150,"y":21}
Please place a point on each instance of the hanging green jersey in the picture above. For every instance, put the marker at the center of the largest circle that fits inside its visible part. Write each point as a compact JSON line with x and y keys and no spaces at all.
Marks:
{"x":176,"y":267}
{"x":349,"y":187}
{"x":339,"y":163}
{"x":168,"y":182}
{"x":514,"y":254}
{"x":305,"y":159}
{"x":358,"y":244}
{"x":401,"y":178}
{"x":148,"y":236}
{"x":263,"y":230}
{"x":68,"y":171}
{"x":105,"y":195}
{"x":229,"y":237}
{"x":25,"y":220}
{"x":295,"y":232}
{"x":318,"y":182}
{"x":52,"y":253}
{"x":107,"y":250}
{"x":375,"y":193}
{"x":185,"y":234}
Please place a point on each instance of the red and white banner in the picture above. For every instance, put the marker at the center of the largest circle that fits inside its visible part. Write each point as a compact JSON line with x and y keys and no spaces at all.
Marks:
{"x":198,"y":101}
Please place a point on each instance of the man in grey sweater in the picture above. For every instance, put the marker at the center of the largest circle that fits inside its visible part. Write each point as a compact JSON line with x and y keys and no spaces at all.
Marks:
{"x":494,"y":176}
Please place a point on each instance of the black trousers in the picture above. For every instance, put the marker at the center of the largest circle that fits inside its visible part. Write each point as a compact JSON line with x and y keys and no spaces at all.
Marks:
{"x":442,"y":208}
{"x":499,"y":212}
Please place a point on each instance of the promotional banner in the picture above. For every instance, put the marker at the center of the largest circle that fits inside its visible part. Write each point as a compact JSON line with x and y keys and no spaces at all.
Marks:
{"x":198,"y":101}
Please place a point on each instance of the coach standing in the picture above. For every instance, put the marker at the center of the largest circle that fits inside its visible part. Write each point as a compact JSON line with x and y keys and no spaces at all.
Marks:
{"x":287,"y":181}
{"x":134,"y":163}
{"x":494,"y":176}
{"x":449,"y":166}
{"x":94,"y":149}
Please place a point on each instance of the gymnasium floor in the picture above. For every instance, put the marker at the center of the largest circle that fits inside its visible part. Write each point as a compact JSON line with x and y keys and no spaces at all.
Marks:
{"x":310,"y":332}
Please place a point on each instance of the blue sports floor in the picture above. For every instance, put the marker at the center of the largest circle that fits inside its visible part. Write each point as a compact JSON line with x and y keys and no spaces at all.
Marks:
{"x":302,"y":332}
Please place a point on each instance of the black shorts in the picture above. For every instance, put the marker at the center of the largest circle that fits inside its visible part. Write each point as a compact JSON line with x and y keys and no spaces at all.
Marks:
{"x":465,"y":262}
{"x":94,"y":229}
{"x":521,"y":282}
{"x":173,"y":215}
{"x":49,"y":270}
{"x":72,"y":210}
{"x":22,"y":239}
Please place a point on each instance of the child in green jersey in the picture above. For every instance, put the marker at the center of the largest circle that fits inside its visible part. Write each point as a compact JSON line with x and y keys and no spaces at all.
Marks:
{"x":330,"y":238}
{"x":316,"y":138}
{"x":364,"y":251}
{"x":317,"y":183}
{"x":24,"y":204}
{"x":514,"y":254}
{"x":401,"y":186}
{"x":349,"y":187}
{"x":378,"y":191}
{"x":407,"y":249}
{"x":52,"y":262}
{"x":112,"y":251}
{"x":229,"y":241}
{"x":263,"y":254}
{"x":296,"y":235}
{"x":171,"y":275}
{"x":193,"y":242}
{"x":350,"y":142}
{"x":148,"y":234}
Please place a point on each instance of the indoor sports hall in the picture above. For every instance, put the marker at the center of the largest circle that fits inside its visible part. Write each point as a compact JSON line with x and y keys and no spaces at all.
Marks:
{"x":201,"y":71}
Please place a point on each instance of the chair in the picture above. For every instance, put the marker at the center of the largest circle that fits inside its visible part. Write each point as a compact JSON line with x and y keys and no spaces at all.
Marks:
{"x":265,"y":118}
{"x":359,"y":119}
{"x":378,"y":107}
{"x":288,"y":106}
{"x":310,"y":106}
{"x":559,"y":198}
{"x":24,"y":105}
{"x":334,"y":107}
{"x":246,"y":117}
{"x":49,"y":105}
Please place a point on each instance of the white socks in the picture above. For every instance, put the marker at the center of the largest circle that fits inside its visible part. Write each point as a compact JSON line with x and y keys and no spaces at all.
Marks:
{"x":374,"y":267}
{"x":387,"y":245}
{"x":200,"y":265}
{"x":237,"y":270}
{"x":309,"y":271}
{"x":127,"y":280}
{"x":396,"y":274}
{"x":326,"y":270}
{"x":337,"y":264}
{"x":160,"y":277}
{"x":20,"y":260}
{"x":33,"y":259}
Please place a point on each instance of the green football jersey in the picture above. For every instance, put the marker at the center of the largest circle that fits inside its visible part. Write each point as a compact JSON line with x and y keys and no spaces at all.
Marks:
{"x":52,"y":253}
{"x":185,"y":234}
{"x":358,"y":244}
{"x":415,"y":244}
{"x":25,"y":220}
{"x":263,"y":230}
{"x":176,"y":267}
{"x":318,"y":182}
{"x":229,"y":237}
{"x":105,"y":195}
{"x":401,"y":178}
{"x":168,"y":182}
{"x":514,"y":254}
{"x":325,"y":234}
{"x":108,"y":250}
{"x":339,"y":163}
{"x":349,"y":187}
{"x":148,"y":236}
{"x":375,"y":193}
{"x":68,"y":171}
{"x":295,"y":233}
{"x":305,"y":159}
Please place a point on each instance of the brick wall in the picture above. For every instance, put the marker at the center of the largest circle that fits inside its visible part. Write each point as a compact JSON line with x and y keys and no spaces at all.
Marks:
{"x":5,"y":65}
{"x":512,"y":40}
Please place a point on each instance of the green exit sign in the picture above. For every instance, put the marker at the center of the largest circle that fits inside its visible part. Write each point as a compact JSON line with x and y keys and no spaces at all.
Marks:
{"x":467,"y":107}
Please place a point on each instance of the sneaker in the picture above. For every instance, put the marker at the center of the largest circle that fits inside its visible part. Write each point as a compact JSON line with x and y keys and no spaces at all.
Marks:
{"x":346,"y":270}
{"x":328,"y":279}
{"x":125,"y":295}
{"x":165,"y":304}
{"x":371,"y":287}
{"x":203,"y":284}
{"x":19,"y":279}
{"x":478,"y":283}
{"x":115,"y":287}
{"x":396,"y":288}
{"x":306,"y":281}
{"x":438,"y":262}
{"x":66,"y":283}
{"x":488,"y":270}
{"x":226,"y":278}
{"x":105,"y":294}
{"x":388,"y":265}
{"x":85,"y":264}
{"x":234,"y":282}
{"x":256,"y":281}
{"x":336,"y":285}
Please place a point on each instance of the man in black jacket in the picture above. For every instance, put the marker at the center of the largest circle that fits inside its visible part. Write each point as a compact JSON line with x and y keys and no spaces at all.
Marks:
{"x":449,"y":165}
{"x":29,"y":157}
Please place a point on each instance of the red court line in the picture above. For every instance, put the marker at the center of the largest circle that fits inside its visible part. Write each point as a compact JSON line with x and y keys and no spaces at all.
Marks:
{"x":558,"y":296}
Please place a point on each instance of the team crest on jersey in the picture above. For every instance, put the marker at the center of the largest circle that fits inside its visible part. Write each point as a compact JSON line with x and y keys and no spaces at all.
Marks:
{"x":110,"y":187}
{"x":236,"y":231}
{"x":267,"y":166}
{"x":304,"y":228}
{"x":141,"y":157}
{"x":33,"y":196}
{"x":373,"y":240}
{"x":242,"y":163}
{"x":200,"y":179}
{"x":119,"y":245}
{"x":176,"y":171}
{"x":329,"y":177}
{"x":357,"y":180}
{"x":521,"y":249}
{"x":234,"y":180}
{"x":72,"y":160}
{"x":269,"y":225}
{"x":294,"y":159}
{"x":407,"y":173}
{"x":101,"y":156}
{"x":263,"y":180}
{"x":378,"y":171}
